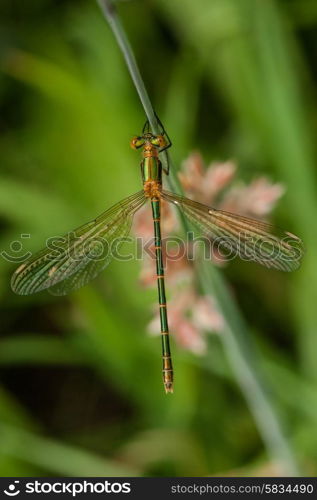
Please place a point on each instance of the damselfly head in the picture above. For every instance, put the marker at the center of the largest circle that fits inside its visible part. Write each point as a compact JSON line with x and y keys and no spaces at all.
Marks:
{"x":156,"y":140}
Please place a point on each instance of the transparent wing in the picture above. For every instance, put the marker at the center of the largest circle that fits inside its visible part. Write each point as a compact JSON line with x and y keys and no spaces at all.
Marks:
{"x":70,"y":262}
{"x":246,"y":238}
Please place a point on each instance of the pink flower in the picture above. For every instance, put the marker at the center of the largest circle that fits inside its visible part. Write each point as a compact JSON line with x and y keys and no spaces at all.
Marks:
{"x":204,"y":184}
{"x":206,"y":316}
{"x":257,"y":199}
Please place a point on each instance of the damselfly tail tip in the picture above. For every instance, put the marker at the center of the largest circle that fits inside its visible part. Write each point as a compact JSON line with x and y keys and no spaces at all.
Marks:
{"x":168,"y":387}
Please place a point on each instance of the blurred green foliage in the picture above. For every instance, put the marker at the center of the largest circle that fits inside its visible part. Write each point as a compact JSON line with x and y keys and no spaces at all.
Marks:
{"x":80,"y":386}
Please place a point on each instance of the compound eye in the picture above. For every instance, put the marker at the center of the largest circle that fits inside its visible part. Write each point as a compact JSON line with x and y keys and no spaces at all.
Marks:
{"x":137,"y":142}
{"x":159,"y":141}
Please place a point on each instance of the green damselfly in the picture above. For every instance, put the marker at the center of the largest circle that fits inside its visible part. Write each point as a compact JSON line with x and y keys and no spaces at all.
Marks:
{"x":72,"y":266}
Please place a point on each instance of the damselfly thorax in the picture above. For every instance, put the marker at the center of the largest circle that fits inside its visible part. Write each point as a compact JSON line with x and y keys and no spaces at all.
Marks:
{"x":151,"y":166}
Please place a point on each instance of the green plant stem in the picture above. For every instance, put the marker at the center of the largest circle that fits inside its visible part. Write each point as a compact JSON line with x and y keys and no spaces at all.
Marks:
{"x":235,"y":337}
{"x":109,"y":10}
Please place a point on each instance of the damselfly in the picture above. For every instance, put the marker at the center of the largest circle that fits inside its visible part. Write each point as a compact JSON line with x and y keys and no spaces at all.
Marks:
{"x":77,"y":258}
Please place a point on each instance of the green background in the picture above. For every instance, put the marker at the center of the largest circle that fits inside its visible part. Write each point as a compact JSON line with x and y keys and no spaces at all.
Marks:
{"x":81,"y":390}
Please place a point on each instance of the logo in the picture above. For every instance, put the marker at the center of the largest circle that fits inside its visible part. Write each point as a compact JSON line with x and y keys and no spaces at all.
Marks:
{"x":12,"y":490}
